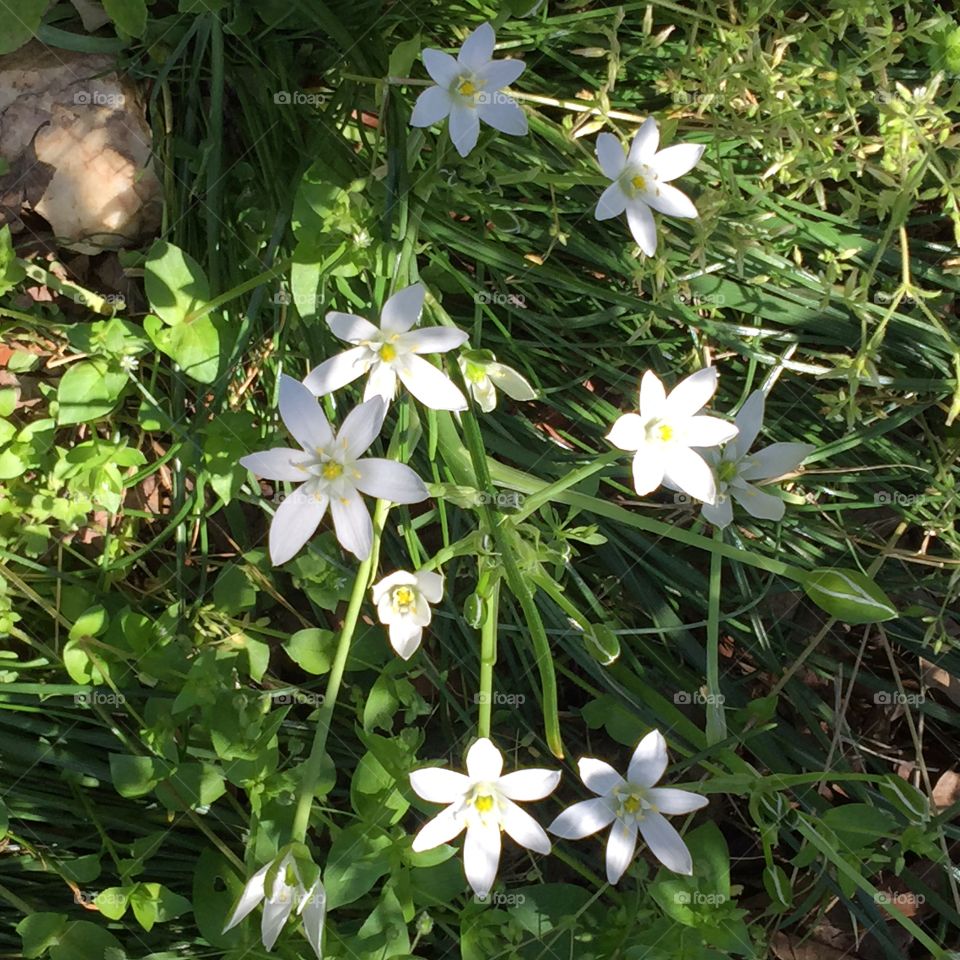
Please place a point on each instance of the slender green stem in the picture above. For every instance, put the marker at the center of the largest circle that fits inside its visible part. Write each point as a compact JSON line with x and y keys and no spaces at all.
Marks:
{"x":716,"y":721}
{"x":503,"y":534}
{"x":536,"y":500}
{"x":311,"y":773}
{"x":488,"y":650}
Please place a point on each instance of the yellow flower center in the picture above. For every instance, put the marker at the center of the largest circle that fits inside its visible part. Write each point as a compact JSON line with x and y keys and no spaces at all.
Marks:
{"x":475,"y":373}
{"x":388,"y":353}
{"x":332,"y":470}
{"x":483,"y":803}
{"x":466,"y":89}
{"x":631,"y":804}
{"x":665,"y":432}
{"x":403,"y":599}
{"x":727,"y":471}
{"x":638,"y":183}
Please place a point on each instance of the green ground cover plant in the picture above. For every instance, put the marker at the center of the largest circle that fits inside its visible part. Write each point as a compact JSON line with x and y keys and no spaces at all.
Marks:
{"x":511,"y":511}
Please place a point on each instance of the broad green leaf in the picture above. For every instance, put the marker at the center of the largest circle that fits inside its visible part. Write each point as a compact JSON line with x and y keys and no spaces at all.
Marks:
{"x":848,"y":595}
{"x":135,"y":776}
{"x":20,"y":19}
{"x":154,"y":903}
{"x":190,"y":786}
{"x":175,"y":283}
{"x":129,"y":16}
{"x":88,"y":390}
{"x":194,"y":346}
{"x":234,"y":592}
{"x":358,"y":858}
{"x":113,"y":902}
{"x":312,"y":649}
{"x":83,"y":940}
{"x":859,"y":824}
{"x":39,"y":930}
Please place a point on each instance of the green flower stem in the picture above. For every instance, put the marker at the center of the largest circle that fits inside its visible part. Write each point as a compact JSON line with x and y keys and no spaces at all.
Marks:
{"x":503,"y":534}
{"x":716,"y":722}
{"x":272,"y":273}
{"x":536,"y":500}
{"x":311,"y":773}
{"x":490,"y":591}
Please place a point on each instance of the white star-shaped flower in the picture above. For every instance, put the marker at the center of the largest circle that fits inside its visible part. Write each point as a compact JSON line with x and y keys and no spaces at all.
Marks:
{"x":403,"y":604}
{"x":483,"y":375}
{"x":391,"y":352}
{"x":641,"y":181}
{"x":666,"y":429}
{"x":735,"y":468}
{"x":632,"y":805}
{"x":482,"y":803}
{"x":286,"y":891}
{"x":332,"y":472}
{"x":468,"y":90}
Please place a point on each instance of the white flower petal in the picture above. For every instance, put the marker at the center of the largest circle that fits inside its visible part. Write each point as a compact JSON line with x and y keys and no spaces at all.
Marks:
{"x":481,"y":857}
{"x":692,"y":393}
{"x":280,"y":463}
{"x":649,"y":760}
{"x":302,"y":416}
{"x":500,"y":73}
{"x":502,"y":113}
{"x":381,"y":383}
{"x":432,"y":106}
{"x":350,"y":327}
{"x":360,"y":427}
{"x":484,"y":761}
{"x":313,"y":913}
{"x":610,"y":155}
{"x":432,"y":340}
{"x":396,"y":579}
{"x":642,"y":226}
{"x":405,"y":637}
{"x":706,"y":431}
{"x":430,"y":585}
{"x":523,"y":829}
{"x":653,"y":397}
{"x":628,"y":432}
{"x":510,"y":382}
{"x":677,"y":160}
{"x":275,"y":914}
{"x":598,"y":775}
{"x":484,"y":393}
{"x":251,"y":896}
{"x":775,"y":461}
{"x":464,"y":128}
{"x":583,"y":819}
{"x":749,"y":421}
{"x":439,"y":785}
{"x":645,"y":142}
{"x":648,"y":471}
{"x":666,"y":844}
{"x":763,"y":506}
{"x":339,"y":370}
{"x":403,"y":309}
{"x":620,"y":848}
{"x":443,"y":68}
{"x":351,"y":520}
{"x":612,"y":202}
{"x":295,"y":522}
{"x":389,"y":480}
{"x":671,"y":201}
{"x":477,"y":49}
{"x":533,"y":784}
{"x":430,"y":385}
{"x":441,"y":829}
{"x":671,"y":800}
{"x":720,"y":514}
{"x":690,"y":472}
